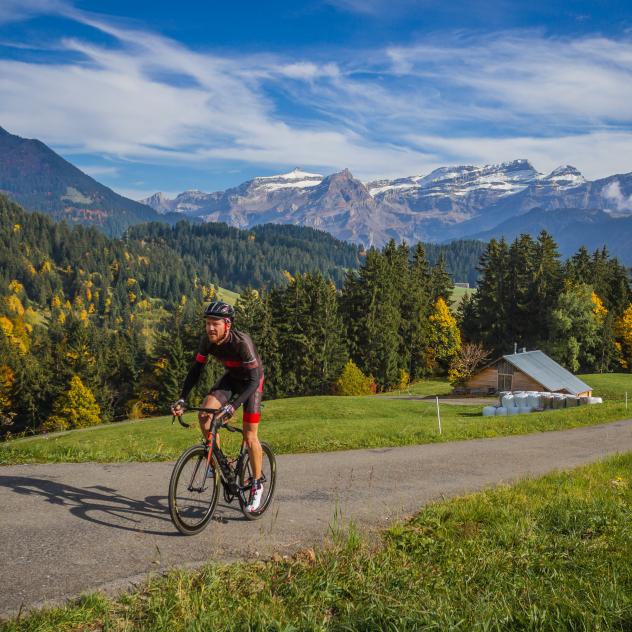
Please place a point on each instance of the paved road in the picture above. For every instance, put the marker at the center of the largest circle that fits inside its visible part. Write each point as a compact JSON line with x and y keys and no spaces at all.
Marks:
{"x":68,"y":528}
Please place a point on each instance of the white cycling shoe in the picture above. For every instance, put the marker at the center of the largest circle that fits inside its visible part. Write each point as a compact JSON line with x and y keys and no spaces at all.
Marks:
{"x":255,"y":498}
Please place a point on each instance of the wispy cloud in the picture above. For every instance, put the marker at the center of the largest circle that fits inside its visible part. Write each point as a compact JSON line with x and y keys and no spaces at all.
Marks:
{"x":99,"y":170}
{"x":403,"y":110}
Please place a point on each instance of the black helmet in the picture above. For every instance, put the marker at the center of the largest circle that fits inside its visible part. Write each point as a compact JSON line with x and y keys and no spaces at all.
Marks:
{"x":219,"y":309}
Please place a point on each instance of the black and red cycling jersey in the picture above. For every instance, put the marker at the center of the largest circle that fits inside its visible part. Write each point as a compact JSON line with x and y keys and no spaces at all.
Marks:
{"x":244,"y":371}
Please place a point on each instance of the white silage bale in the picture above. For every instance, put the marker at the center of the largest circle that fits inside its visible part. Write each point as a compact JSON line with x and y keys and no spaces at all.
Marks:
{"x":489,"y":411}
{"x":520,"y":399}
{"x":533,"y":400}
{"x":501,"y":411}
{"x":508,"y":401}
{"x":595,"y":400}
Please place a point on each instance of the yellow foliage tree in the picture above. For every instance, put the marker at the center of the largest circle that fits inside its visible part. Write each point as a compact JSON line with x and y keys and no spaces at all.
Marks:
{"x":599,"y":309}
{"x":15,"y":305}
{"x":16,"y":287}
{"x":7,"y":378}
{"x":623,"y":331}
{"x":6,"y":326}
{"x":353,"y":382}
{"x":74,"y":408}
{"x":445,"y":337}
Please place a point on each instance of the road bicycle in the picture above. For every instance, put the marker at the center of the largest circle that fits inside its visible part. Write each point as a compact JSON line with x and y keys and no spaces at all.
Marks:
{"x":195,"y":481}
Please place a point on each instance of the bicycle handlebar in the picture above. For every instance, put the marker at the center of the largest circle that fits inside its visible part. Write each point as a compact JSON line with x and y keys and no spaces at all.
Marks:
{"x":212,"y":411}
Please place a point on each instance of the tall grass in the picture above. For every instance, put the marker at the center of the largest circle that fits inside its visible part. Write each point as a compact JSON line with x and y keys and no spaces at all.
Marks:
{"x":548,"y":554}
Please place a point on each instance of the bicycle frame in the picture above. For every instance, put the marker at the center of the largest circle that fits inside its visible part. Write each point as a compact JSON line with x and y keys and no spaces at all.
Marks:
{"x":227,"y":473}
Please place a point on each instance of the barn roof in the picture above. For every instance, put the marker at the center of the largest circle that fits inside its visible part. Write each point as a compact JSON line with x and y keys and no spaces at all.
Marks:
{"x":547,"y":372}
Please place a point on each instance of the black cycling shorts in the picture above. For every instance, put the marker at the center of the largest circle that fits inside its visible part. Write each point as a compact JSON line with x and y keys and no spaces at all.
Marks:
{"x":228,"y":388}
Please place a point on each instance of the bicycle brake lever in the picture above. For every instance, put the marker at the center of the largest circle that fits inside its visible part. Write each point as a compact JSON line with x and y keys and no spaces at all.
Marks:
{"x":182,"y":423}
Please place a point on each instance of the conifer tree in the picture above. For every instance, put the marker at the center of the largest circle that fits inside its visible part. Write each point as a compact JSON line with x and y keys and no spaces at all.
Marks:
{"x":416,"y":307}
{"x":493,"y":297}
{"x":253,"y":314}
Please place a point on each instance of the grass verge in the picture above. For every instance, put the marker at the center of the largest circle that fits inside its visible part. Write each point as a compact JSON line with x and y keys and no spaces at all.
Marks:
{"x":319,"y":424}
{"x":548,"y":554}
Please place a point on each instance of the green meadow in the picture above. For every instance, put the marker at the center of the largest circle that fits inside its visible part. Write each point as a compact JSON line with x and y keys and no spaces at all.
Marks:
{"x":321,"y":424}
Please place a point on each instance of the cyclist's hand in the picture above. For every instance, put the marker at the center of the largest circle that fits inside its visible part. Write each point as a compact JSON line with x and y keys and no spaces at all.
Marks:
{"x":177,"y":408}
{"x":226,"y":412}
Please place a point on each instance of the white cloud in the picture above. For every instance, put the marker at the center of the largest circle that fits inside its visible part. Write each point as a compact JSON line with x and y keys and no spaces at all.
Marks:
{"x":17,"y":10}
{"x":613,"y":192}
{"x":394,"y":112}
{"x":596,"y":155}
{"x":98,"y":170}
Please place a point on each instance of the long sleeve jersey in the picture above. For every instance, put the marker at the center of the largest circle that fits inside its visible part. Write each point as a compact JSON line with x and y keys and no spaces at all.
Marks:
{"x":238,"y":354}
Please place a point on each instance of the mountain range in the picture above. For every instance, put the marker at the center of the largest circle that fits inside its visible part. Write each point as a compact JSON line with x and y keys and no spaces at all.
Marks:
{"x":39,"y":179}
{"x":461,"y":202}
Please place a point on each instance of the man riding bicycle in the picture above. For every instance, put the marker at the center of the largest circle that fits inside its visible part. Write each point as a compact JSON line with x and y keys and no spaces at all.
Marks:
{"x":241,"y":384}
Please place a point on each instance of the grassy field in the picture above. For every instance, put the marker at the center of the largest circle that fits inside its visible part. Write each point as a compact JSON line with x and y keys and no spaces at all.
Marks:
{"x":315,"y":424}
{"x":458,"y":293}
{"x":227,"y":295}
{"x":551,"y":554}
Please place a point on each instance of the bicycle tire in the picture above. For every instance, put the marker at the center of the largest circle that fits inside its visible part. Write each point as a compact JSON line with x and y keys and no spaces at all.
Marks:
{"x":269,"y":469}
{"x":185,"y":514}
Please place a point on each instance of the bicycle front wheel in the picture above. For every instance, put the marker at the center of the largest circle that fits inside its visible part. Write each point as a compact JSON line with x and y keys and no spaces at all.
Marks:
{"x":246,"y":474}
{"x":193,"y":491}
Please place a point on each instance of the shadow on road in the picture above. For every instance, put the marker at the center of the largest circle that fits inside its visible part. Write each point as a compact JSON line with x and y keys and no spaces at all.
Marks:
{"x":103,"y":505}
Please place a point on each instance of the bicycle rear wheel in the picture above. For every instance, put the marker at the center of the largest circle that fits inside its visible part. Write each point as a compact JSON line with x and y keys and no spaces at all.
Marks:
{"x":193,"y":491}
{"x":246,"y":474}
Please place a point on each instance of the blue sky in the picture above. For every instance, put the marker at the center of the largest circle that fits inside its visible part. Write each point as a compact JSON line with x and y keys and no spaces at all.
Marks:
{"x":164,"y":96}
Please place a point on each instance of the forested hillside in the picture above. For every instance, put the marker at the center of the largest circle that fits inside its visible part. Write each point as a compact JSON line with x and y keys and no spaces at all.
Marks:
{"x":95,"y":329}
{"x":112,"y":324}
{"x":237,"y":259}
{"x":578,"y":310}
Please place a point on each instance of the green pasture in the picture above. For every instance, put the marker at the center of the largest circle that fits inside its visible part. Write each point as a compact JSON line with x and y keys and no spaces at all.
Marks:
{"x":458,"y":293}
{"x":552,"y":554}
{"x":227,"y":295}
{"x":318,"y":424}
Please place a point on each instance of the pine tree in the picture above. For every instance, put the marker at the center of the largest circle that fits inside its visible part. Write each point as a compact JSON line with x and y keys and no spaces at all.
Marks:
{"x":416,"y":307}
{"x":253,"y":315}
{"x":493,"y":297}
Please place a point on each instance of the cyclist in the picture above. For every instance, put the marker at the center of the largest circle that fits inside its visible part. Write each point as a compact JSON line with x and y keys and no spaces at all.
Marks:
{"x":241,"y":384}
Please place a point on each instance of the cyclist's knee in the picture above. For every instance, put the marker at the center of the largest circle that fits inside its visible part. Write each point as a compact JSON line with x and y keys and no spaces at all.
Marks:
{"x":250,"y":438}
{"x":209,"y":402}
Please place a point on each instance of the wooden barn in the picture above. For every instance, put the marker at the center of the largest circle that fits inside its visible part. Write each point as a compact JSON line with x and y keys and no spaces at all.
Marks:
{"x":526,"y":371}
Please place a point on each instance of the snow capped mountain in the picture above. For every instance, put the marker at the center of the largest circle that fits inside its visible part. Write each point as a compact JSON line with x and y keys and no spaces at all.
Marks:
{"x":295,"y":179}
{"x":505,"y":178}
{"x":449,"y":202}
{"x":565,"y":177}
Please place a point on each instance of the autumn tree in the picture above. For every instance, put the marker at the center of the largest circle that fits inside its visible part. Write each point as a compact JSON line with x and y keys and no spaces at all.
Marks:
{"x":445,"y":338}
{"x":74,"y":408}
